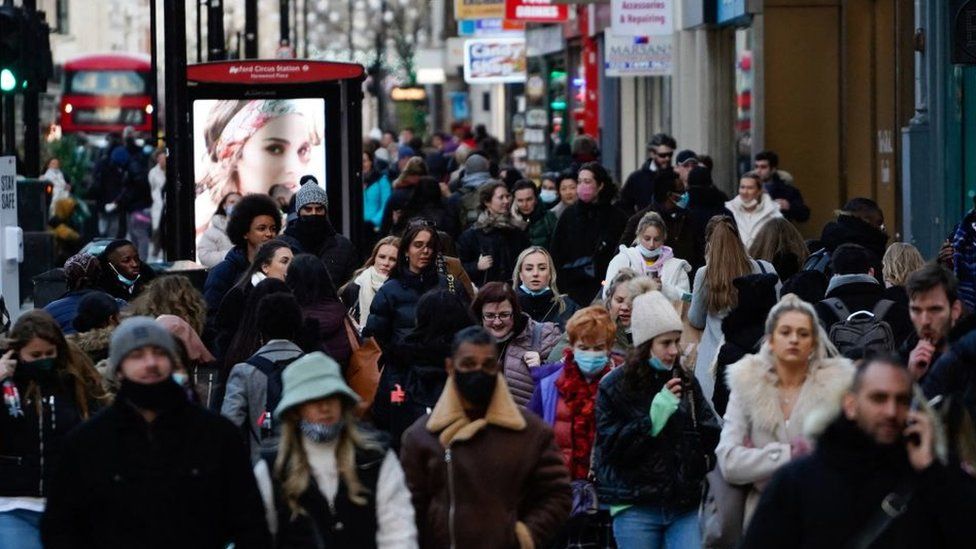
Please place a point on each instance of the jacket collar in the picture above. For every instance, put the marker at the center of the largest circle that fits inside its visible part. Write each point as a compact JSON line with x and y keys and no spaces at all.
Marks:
{"x":837,"y":281}
{"x":449,"y":419}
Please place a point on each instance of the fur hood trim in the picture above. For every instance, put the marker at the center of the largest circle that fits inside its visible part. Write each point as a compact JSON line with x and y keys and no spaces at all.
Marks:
{"x":92,"y":340}
{"x":754,"y":380}
{"x":450,"y":420}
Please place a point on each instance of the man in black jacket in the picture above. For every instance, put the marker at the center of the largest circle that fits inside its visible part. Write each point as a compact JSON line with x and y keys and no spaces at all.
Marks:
{"x":638,"y":190}
{"x":153,"y":470}
{"x":878,"y":458}
{"x":314,"y":233}
{"x":780,"y":188}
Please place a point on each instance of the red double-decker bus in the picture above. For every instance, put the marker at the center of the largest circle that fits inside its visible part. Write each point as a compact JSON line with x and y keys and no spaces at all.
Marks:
{"x":104,"y":93}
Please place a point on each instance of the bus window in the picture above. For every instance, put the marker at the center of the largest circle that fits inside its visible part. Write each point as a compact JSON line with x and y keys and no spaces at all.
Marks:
{"x":107,"y":83}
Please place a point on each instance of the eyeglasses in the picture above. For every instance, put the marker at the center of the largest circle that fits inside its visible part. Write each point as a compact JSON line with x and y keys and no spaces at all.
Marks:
{"x":663,"y":155}
{"x":491,"y":317}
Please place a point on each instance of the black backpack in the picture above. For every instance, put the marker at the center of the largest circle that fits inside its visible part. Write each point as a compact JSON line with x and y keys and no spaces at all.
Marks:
{"x":271,"y":370}
{"x":865,"y":330}
{"x":818,"y":261}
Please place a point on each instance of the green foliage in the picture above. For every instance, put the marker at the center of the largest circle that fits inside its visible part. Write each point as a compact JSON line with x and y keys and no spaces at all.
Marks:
{"x":75,"y":162}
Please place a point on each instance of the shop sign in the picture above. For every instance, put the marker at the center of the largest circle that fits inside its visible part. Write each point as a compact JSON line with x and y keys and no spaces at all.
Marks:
{"x":479,"y":9}
{"x":489,"y":27}
{"x":537,"y":118}
{"x":545,"y":39}
{"x":459,"y":105}
{"x":642,"y":17}
{"x":537,"y":11}
{"x":408,"y":94}
{"x":638,"y":56}
{"x":494,"y":60}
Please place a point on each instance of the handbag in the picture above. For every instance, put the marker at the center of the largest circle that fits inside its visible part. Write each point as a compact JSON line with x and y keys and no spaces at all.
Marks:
{"x":363,"y":373}
{"x":584,"y":498}
{"x":723,"y":511}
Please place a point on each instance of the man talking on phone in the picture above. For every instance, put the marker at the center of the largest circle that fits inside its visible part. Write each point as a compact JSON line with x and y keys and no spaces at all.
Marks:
{"x":874,"y":479}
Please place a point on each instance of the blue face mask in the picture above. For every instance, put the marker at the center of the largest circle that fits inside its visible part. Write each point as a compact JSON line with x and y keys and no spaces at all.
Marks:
{"x":181,"y":379}
{"x":548,"y":196}
{"x":319,"y":432}
{"x":649,"y":254}
{"x":590,"y":362}
{"x":682,"y":201}
{"x":656,"y":363}
{"x":128,"y":283}
{"x":534,"y":293}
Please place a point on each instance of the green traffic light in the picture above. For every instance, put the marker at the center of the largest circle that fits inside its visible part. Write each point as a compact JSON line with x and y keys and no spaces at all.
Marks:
{"x":7,"y":80}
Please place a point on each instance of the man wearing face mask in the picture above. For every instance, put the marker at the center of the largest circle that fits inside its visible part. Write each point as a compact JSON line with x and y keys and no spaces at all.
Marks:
{"x":507,"y":485}
{"x":123,"y":274}
{"x":314,"y":234}
{"x":153,"y":470}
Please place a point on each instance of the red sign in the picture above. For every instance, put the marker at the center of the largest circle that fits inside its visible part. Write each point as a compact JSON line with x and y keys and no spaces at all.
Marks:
{"x":538,"y":11}
{"x":279,"y":71}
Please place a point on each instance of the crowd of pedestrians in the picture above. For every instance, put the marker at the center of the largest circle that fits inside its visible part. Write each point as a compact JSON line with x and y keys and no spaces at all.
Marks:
{"x":504,"y":364}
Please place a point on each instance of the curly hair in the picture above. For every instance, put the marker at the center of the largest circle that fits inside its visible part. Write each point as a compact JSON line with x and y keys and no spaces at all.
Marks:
{"x":172,"y":295}
{"x":250,"y":207}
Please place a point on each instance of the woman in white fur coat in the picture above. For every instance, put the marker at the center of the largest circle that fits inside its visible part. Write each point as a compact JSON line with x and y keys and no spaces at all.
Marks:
{"x":794,"y":377}
{"x":650,"y":257}
{"x":752,"y":208}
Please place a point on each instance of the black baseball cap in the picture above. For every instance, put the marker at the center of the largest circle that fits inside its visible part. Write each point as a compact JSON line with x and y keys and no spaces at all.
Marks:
{"x":685,"y":156}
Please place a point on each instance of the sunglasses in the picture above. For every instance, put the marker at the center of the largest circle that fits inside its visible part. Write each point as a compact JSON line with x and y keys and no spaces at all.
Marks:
{"x":663,"y":155}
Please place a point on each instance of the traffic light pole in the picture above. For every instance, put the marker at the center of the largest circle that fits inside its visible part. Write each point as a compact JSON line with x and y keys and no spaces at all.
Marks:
{"x":9,"y":126}
{"x":178,"y":234}
{"x":32,"y":113}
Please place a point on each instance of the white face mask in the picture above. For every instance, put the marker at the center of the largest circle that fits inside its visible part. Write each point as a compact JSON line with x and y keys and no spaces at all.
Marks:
{"x":649,"y":254}
{"x":548,"y":196}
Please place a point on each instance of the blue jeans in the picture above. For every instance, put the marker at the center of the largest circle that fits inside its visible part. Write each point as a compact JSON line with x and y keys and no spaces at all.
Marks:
{"x":647,"y":527}
{"x":21,"y":529}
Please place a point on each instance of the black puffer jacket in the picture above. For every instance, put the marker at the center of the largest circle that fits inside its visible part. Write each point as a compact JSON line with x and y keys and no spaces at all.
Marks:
{"x":848,"y":229}
{"x":635,"y":468}
{"x":545,"y":308}
{"x":30,"y":446}
{"x":392,"y":314}
{"x":584,"y":232}
{"x":953,"y":373}
{"x":503,"y":243}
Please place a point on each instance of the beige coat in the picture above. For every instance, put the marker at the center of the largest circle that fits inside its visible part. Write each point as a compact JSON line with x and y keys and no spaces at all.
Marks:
{"x":756,"y":438}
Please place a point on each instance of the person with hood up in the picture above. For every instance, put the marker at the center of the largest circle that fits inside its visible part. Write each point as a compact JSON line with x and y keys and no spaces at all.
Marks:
{"x":488,"y":249}
{"x":49,"y":388}
{"x":414,"y":376}
{"x":214,"y":242}
{"x":583,"y":242}
{"x":655,"y":436}
{"x":466,"y":201}
{"x":752,"y":208}
{"x":565,"y":397}
{"x":522,"y":498}
{"x":523,"y":342}
{"x":860,"y":221}
{"x":333,"y":482}
{"x":650,"y":257}
{"x":152,"y":460}
{"x":794,"y":375}
{"x":314,"y":233}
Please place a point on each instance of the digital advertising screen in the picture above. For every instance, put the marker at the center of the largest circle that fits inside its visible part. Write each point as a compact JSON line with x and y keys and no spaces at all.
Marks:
{"x":248,"y":146}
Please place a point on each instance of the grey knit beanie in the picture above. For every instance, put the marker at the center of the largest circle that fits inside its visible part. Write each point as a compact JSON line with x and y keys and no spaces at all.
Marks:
{"x":135,"y":333}
{"x":310,"y":193}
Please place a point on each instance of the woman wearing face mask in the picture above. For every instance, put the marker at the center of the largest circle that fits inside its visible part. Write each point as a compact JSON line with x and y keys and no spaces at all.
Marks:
{"x":538,"y":296}
{"x":270,"y":261}
{"x":523,"y":342}
{"x":392,"y":315}
{"x":752,"y":208}
{"x":565,"y":397}
{"x":586,"y":234}
{"x":774,"y":392}
{"x":488,"y":248}
{"x":655,"y":436}
{"x":49,"y":388}
{"x":214,"y":243}
{"x":549,"y":190}
{"x":359,"y":292}
{"x":332,"y":482}
{"x":650,"y":257}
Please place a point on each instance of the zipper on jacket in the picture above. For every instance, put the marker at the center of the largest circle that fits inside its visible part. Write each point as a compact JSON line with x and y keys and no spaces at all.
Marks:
{"x":450,"y":496}
{"x":40,"y":439}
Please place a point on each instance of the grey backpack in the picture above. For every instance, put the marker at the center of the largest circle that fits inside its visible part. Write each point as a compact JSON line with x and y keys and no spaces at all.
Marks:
{"x":865,"y":330}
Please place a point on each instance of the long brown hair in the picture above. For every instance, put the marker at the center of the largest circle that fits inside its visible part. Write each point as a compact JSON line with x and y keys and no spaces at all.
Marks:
{"x":71,"y":362}
{"x":777,"y":236}
{"x":726,"y":259}
{"x":292,"y":469}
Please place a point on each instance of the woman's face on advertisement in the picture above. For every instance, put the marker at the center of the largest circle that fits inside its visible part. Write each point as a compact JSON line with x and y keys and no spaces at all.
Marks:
{"x":278,"y":153}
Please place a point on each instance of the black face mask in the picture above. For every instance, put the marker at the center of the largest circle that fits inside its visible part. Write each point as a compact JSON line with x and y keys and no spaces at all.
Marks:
{"x":476,"y":387}
{"x":314,"y":229}
{"x":40,"y":371}
{"x":156,"y":396}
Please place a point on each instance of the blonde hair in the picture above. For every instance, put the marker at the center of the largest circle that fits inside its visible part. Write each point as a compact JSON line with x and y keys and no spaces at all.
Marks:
{"x":651,"y":219}
{"x":623,"y":277}
{"x":900,"y":260}
{"x":292,"y":469}
{"x":172,"y":295}
{"x":790,"y":303}
{"x":517,"y":279}
{"x":777,"y":236}
{"x":726,"y":259}
{"x":385,"y":241}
